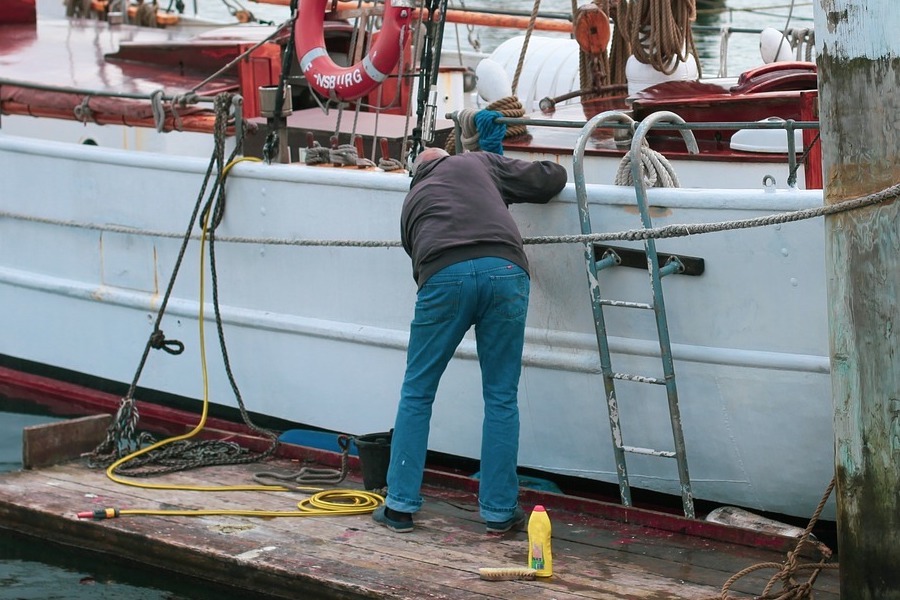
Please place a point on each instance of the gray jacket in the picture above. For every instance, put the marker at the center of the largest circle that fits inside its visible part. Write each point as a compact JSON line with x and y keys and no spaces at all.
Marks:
{"x":457,"y":208}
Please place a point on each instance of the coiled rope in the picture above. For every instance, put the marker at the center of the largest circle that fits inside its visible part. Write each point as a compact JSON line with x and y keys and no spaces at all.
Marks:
{"x":660,"y":33}
{"x":317,"y":154}
{"x":387,"y":163}
{"x":470,"y":134}
{"x":657,"y":170}
{"x":620,"y":49}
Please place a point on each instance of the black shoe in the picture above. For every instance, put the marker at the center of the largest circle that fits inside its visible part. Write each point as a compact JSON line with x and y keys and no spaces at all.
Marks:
{"x":394,"y":520}
{"x":515,"y":520}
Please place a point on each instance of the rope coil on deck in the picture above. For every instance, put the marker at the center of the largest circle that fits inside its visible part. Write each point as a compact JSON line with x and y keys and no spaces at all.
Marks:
{"x":139,"y":456}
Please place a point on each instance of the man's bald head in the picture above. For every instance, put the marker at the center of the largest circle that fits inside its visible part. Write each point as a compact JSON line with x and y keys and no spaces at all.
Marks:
{"x":426,"y":155}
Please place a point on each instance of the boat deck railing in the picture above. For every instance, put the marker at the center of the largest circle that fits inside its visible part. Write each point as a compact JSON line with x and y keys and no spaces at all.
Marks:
{"x":789,"y":126}
{"x":801,"y":39}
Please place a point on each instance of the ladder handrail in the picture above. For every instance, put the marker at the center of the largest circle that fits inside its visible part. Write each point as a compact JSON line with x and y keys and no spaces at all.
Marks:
{"x":578,"y":159}
{"x":665,"y":344}
{"x":599,"y":322}
{"x":658,"y":305}
{"x":637,"y":142}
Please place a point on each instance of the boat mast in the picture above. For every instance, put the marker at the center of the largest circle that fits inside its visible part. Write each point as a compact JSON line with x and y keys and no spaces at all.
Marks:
{"x":859,"y":86}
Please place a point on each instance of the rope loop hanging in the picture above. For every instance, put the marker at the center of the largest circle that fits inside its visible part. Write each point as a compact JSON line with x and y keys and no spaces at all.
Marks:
{"x":308,"y":476}
{"x":660,"y":33}
{"x":158,"y":341}
{"x":657,"y":170}
{"x":122,"y":439}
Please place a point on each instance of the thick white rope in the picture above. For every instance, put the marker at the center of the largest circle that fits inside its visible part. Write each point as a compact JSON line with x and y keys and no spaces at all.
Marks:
{"x":657,"y":170}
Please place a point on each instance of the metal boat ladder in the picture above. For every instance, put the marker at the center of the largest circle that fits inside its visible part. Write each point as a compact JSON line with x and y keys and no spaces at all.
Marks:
{"x":611,"y":259}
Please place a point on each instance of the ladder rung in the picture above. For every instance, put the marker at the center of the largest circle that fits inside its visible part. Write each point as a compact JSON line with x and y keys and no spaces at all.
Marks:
{"x":626,"y":304}
{"x":638,"y":378}
{"x":649,"y":451}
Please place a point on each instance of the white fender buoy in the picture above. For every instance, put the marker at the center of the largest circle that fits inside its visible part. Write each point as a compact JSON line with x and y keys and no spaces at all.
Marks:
{"x":774,"y":47}
{"x":640,"y":76}
{"x":492,"y":81}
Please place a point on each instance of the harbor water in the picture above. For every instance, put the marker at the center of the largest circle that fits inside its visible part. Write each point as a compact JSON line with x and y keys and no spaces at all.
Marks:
{"x":33,"y":569}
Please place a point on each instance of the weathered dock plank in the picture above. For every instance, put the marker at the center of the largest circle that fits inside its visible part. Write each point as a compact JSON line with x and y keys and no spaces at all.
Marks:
{"x":352,"y":557}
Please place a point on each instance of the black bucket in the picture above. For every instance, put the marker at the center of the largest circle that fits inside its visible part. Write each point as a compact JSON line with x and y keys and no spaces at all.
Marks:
{"x":374,"y":458}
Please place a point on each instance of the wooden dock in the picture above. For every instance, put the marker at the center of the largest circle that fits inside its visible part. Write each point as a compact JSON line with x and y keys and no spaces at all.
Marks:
{"x":600,"y":551}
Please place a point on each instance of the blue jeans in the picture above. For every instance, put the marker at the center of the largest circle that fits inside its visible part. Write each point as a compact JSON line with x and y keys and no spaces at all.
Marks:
{"x":492,"y":294}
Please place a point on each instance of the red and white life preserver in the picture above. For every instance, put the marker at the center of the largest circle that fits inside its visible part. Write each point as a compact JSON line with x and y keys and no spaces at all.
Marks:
{"x":355,"y":81}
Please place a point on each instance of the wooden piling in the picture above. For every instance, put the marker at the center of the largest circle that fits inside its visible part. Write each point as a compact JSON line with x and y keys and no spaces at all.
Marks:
{"x":859,"y":84}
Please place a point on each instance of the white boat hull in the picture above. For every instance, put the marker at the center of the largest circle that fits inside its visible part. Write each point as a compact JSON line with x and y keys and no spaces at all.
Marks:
{"x":317,"y":335}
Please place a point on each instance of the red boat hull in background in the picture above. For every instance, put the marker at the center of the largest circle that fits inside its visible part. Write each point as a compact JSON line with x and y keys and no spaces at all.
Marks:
{"x":17,"y":11}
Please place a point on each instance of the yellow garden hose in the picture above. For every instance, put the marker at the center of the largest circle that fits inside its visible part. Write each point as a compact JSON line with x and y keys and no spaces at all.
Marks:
{"x":334,"y":502}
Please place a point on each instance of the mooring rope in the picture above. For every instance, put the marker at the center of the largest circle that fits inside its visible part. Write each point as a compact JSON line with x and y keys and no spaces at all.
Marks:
{"x":785,"y":572}
{"x":121,"y":440}
{"x":664,"y":232}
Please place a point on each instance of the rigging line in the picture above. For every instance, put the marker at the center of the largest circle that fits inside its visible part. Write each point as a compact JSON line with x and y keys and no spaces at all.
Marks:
{"x":429,"y":66}
{"x":787,"y":28}
{"x":417,"y":51}
{"x":222,"y":100}
{"x":333,"y":502}
{"x":220,"y":204}
{"x":245,"y":53}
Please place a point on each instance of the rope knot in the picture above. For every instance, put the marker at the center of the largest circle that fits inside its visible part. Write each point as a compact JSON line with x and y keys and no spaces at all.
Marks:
{"x":317,"y":154}
{"x":476,"y":125}
{"x":345,"y":154}
{"x":158,"y":109}
{"x":490,"y":132}
{"x":158,"y":341}
{"x":83,"y":111}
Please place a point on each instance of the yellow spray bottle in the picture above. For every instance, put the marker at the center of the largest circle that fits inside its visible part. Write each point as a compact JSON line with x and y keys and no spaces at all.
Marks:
{"x":540,"y":557}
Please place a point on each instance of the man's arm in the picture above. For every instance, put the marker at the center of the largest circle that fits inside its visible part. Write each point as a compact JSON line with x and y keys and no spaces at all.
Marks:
{"x":526,"y":181}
